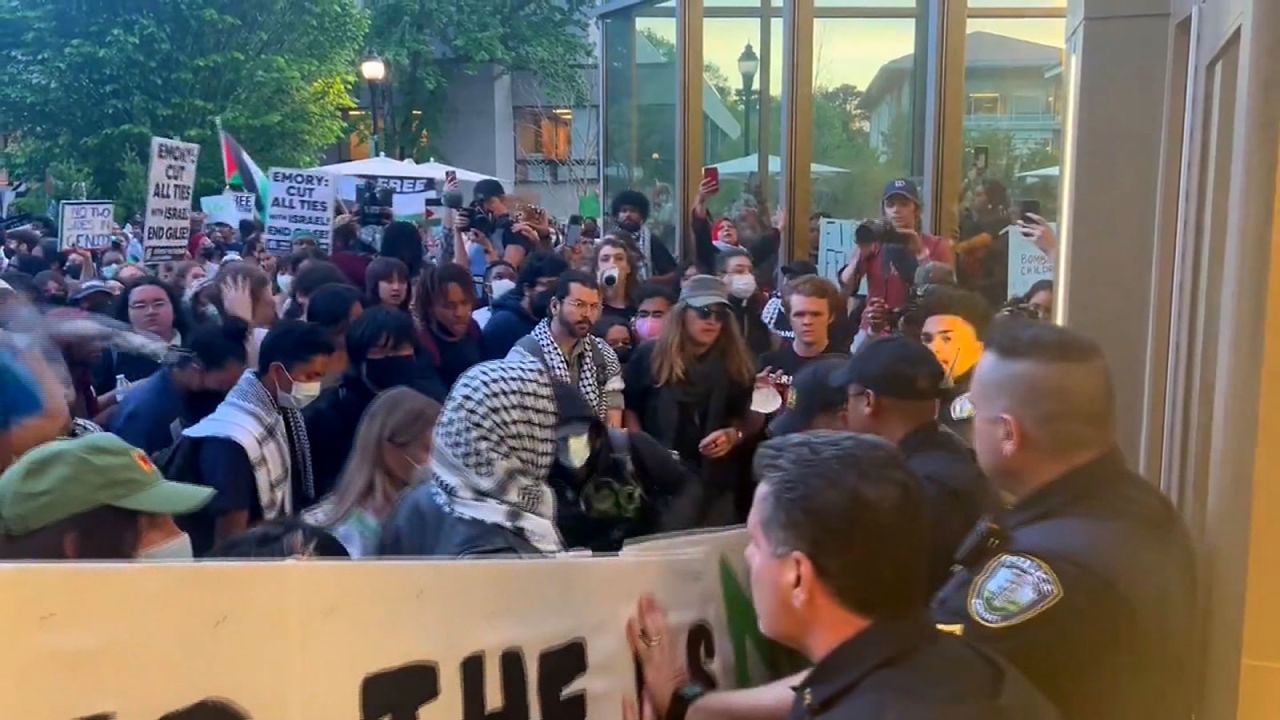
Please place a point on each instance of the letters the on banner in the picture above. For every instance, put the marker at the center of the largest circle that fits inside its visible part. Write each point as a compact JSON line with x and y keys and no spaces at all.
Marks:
{"x":469,"y":640}
{"x":171,"y":180}
{"x":85,"y":224}
{"x":301,"y":203}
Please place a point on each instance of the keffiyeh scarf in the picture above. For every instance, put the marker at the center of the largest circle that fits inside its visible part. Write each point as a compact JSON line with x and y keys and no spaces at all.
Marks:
{"x":272,"y":437}
{"x":593,"y":380}
{"x":493,"y":447}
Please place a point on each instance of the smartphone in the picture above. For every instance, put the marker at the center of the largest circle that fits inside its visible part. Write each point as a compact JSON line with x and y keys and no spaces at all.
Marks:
{"x":1027,"y":208}
{"x":981,"y":157}
{"x":713,"y":174}
{"x":450,"y":178}
{"x":573,"y":233}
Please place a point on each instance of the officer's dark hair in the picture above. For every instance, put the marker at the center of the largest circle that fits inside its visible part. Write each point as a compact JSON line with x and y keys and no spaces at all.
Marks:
{"x":850,"y":504}
{"x":724,"y":256}
{"x":540,"y":265}
{"x":964,"y":304}
{"x":217,"y":344}
{"x":630,"y":198}
{"x":292,"y":343}
{"x":569,"y":278}
{"x":379,"y":327}
{"x":1063,"y":390}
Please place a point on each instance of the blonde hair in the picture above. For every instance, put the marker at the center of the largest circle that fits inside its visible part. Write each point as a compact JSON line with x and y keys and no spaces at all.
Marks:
{"x":673,"y":353}
{"x":398,"y":417}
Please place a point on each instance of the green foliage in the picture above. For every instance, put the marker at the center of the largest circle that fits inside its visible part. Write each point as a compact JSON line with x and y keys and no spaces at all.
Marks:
{"x":426,"y":41}
{"x":91,"y":82}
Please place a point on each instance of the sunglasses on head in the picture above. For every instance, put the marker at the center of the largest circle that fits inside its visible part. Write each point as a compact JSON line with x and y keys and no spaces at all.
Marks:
{"x":709,"y":312}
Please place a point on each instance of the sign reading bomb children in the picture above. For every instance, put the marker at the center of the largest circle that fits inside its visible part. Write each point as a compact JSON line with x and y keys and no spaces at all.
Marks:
{"x":170,"y":183}
{"x":85,"y":224}
{"x":301,"y":203}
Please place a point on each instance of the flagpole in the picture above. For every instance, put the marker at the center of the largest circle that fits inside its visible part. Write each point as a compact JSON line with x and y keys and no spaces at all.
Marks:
{"x":217,"y":120}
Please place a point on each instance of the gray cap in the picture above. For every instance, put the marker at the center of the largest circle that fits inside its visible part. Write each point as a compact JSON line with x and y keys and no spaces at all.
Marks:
{"x":90,"y":287}
{"x":703,"y":291}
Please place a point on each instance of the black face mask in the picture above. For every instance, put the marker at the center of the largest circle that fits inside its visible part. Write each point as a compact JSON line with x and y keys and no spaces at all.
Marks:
{"x":623,"y":353}
{"x":10,"y":252}
{"x":56,"y":299}
{"x":389,"y":372}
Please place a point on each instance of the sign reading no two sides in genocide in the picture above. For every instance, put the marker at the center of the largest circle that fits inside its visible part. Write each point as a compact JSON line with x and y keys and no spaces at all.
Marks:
{"x":301,"y":203}
{"x":171,"y":180}
{"x":85,"y":224}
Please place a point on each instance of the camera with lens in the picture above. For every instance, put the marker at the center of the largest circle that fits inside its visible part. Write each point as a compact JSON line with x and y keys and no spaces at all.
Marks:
{"x":375,"y":203}
{"x":878,"y":231}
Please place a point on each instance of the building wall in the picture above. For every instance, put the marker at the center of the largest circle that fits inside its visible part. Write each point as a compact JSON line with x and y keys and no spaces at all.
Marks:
{"x":477,"y":131}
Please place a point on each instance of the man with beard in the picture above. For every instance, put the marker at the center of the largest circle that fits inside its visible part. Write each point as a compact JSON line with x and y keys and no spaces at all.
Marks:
{"x":517,"y":312}
{"x":185,"y":389}
{"x":630,"y":210}
{"x":563,"y":343}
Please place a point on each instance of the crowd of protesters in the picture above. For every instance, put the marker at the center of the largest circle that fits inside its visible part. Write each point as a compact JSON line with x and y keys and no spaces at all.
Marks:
{"x":515,"y":392}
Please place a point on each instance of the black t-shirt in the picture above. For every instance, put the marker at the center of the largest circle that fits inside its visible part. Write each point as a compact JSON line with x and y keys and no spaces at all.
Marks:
{"x":225,"y":467}
{"x":452,"y":357}
{"x":786,"y":361}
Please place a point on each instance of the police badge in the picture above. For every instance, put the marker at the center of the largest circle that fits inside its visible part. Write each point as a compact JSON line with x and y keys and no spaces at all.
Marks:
{"x":962,"y":408}
{"x":1012,"y":589}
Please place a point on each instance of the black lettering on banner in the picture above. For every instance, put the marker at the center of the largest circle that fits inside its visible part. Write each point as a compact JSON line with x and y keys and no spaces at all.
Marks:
{"x":398,"y":693}
{"x":512,"y":679}
{"x":209,"y":709}
{"x":558,"y":667}
{"x":700,"y":652}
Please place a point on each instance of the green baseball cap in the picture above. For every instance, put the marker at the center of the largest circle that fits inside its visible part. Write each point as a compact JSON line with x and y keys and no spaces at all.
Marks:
{"x":64,"y":478}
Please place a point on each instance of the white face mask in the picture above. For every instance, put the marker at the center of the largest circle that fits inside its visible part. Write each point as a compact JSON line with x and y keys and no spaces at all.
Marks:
{"x":575,"y":450}
{"x":177,"y":547}
{"x":501,"y":287}
{"x":300,"y":396}
{"x":285,"y":282}
{"x":742,"y":286}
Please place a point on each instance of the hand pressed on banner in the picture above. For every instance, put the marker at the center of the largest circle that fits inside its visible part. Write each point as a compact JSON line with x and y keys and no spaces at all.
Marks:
{"x":662,"y":664}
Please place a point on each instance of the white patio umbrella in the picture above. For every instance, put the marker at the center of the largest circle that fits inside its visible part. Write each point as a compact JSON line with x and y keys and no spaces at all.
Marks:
{"x":383,"y":166}
{"x":744,"y":166}
{"x":1048,"y":172}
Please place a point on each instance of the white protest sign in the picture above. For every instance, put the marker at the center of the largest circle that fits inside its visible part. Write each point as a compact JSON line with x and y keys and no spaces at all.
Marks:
{"x":411,"y":198}
{"x":219,"y":208}
{"x":835,"y":248}
{"x":85,"y":224}
{"x":245,"y":204}
{"x":353,"y":640}
{"x":1027,"y":263}
{"x":170,"y":180}
{"x":300,"y":203}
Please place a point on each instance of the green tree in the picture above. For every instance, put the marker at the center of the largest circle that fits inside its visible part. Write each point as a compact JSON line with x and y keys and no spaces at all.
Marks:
{"x":426,"y":41}
{"x":89,"y":82}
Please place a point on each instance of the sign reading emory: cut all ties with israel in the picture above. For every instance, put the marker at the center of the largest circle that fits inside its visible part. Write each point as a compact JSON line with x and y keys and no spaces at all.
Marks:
{"x":301,"y":203}
{"x":171,"y":180}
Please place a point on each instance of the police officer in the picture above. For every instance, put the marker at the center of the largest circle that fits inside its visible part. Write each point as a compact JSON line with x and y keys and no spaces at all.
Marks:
{"x":952,"y":323}
{"x":1086,"y":583}
{"x":891,"y":388}
{"x":836,"y":554}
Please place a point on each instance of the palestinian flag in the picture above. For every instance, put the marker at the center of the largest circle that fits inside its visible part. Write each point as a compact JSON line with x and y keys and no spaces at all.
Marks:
{"x":241,"y":171}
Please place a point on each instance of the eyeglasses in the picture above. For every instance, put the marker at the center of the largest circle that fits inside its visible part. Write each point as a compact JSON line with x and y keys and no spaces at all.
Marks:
{"x":711,"y":312}
{"x":582,"y":306}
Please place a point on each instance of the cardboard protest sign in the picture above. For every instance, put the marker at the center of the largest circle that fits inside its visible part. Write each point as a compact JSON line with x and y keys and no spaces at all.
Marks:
{"x":1027,"y":263}
{"x":229,"y":208}
{"x":85,"y":224}
{"x":170,"y":182}
{"x":301,"y":203}
{"x":353,"y":640}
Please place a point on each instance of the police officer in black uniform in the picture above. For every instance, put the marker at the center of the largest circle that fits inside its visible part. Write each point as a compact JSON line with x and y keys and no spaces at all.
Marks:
{"x":891,"y":388}
{"x":836,"y":553}
{"x":1086,"y":583}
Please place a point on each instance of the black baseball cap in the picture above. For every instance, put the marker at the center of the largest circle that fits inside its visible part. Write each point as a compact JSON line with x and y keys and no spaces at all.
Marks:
{"x":815,"y":391}
{"x":488,"y":189}
{"x":903,"y":187}
{"x":895,"y":367}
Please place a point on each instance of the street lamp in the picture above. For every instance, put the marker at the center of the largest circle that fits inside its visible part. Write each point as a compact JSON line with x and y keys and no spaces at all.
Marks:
{"x":374,"y":71}
{"x":748,"y":64}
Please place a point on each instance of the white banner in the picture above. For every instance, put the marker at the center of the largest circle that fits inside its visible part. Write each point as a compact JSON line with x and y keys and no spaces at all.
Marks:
{"x":85,"y":224}
{"x":170,"y":181}
{"x":1027,"y":263}
{"x":301,"y":203}
{"x":412,"y":195}
{"x":229,"y":208}
{"x":357,"y":640}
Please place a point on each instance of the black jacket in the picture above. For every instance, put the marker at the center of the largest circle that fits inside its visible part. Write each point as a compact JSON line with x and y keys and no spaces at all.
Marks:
{"x":1090,"y":591}
{"x":420,"y":527}
{"x":508,"y":323}
{"x":907,"y":670}
{"x":956,"y":492}
{"x":331,"y":422}
{"x":751,"y":326}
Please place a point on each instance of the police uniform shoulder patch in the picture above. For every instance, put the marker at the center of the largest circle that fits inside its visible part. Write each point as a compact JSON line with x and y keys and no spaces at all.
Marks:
{"x":1012,"y":589}
{"x":962,"y":408}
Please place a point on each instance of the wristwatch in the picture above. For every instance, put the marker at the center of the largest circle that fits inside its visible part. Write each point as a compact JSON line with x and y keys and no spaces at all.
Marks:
{"x":684,"y":696}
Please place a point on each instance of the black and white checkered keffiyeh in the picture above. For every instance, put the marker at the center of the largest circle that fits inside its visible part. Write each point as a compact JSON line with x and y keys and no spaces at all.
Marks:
{"x":593,"y":381}
{"x":494,"y":445}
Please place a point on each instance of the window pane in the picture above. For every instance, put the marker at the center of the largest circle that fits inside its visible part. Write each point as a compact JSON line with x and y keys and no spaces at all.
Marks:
{"x":864,"y":94}
{"x":1012,"y":145}
{"x":1017,"y":3}
{"x":641,"y":82}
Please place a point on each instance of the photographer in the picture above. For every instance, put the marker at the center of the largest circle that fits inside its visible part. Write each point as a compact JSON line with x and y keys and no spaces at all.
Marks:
{"x":884,"y":257}
{"x":489,"y":216}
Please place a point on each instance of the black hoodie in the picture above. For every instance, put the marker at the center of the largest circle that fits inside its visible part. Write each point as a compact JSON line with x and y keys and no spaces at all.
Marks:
{"x":508,"y":323}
